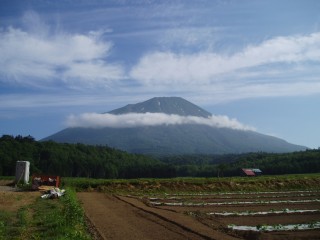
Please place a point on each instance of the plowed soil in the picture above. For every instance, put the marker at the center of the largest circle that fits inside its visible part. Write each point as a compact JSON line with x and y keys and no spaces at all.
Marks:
{"x":248,"y":202}
{"x":116,"y":217}
{"x":129,"y":217}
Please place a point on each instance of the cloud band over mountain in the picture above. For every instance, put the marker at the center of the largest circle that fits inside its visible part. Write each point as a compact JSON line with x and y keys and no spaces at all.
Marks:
{"x":95,"y":120}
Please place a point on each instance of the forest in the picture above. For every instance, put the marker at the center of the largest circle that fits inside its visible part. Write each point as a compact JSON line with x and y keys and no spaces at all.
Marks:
{"x":79,"y":160}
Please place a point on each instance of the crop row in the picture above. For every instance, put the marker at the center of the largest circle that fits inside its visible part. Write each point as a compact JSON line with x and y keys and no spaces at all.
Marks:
{"x":241,"y":193}
{"x":271,"y":212}
{"x":229,"y":197}
{"x":230,"y":203}
{"x":279,"y":227}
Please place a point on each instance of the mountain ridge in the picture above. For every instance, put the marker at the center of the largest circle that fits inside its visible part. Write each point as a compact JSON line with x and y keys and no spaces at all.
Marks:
{"x":167,"y":105}
{"x":177,"y":138}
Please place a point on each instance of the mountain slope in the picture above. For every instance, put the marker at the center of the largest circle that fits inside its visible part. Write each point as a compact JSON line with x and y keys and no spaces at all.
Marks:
{"x":167,"y":105}
{"x":174,"y":139}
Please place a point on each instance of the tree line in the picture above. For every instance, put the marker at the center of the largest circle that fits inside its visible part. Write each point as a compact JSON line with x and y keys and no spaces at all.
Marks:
{"x":231,"y":164}
{"x":80,"y":160}
{"x":76,"y":160}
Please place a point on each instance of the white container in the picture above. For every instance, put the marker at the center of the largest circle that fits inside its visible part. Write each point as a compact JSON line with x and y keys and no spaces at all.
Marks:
{"x":22,"y":171}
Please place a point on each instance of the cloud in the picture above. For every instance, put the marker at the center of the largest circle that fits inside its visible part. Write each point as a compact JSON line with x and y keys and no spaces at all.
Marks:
{"x":167,"y":68}
{"x":189,"y":38}
{"x":37,"y":56}
{"x":44,"y":57}
{"x":95,"y":120}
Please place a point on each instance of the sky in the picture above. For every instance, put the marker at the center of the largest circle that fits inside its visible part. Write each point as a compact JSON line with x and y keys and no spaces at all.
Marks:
{"x":253,"y":64}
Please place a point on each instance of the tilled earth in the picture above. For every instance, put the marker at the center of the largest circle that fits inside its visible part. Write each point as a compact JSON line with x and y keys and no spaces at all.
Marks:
{"x":119,"y":217}
{"x":136,"y":217}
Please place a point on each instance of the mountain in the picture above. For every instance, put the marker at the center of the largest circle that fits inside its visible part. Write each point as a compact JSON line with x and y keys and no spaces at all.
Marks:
{"x":170,"y":139}
{"x":167,"y":105}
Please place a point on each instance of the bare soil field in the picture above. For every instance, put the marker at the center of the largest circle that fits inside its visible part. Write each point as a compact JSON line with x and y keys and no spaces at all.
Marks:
{"x":120,"y":217}
{"x":197,"y":216}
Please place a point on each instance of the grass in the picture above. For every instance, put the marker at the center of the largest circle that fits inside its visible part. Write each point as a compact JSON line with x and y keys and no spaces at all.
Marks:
{"x":61,"y":218}
{"x":4,"y":219}
{"x":230,"y":184}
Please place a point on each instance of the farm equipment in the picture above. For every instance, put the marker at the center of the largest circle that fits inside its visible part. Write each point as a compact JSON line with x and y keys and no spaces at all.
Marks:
{"x":44,"y":182}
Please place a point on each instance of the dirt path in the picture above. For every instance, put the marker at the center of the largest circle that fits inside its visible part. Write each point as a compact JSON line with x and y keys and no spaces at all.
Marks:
{"x":119,"y":218}
{"x":11,"y":200}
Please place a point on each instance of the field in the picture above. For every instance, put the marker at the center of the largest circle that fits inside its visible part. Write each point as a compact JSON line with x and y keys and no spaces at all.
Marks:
{"x":259,"y":215}
{"x":271,"y":207}
{"x":255,"y":215}
{"x":279,"y":207}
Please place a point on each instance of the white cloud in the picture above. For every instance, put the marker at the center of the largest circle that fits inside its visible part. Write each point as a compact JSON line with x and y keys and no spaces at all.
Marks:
{"x":169,"y":68}
{"x":35,"y":56}
{"x":95,"y":120}
{"x":41,"y":56}
{"x":189,"y":37}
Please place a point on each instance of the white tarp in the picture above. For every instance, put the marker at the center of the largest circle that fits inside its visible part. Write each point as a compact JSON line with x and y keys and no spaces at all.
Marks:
{"x":54,"y":193}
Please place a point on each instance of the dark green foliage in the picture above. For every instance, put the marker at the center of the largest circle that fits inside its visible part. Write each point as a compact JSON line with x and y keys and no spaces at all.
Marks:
{"x":230,"y":164}
{"x":298,"y":162}
{"x":79,"y":160}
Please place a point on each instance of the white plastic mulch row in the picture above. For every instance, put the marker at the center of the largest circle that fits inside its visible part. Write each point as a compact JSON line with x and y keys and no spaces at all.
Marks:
{"x":279,"y":227}
{"x":227,"y":197}
{"x":249,"y":213}
{"x":240,"y":193}
{"x":167,"y":198}
{"x":229,"y":203}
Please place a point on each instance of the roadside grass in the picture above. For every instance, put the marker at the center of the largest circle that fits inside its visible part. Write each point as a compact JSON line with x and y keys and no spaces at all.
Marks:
{"x":214,"y":185}
{"x":61,"y":218}
{"x":4,"y":220}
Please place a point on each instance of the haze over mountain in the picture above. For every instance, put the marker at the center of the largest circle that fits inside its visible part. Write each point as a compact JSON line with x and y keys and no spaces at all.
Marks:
{"x":166,"y":126}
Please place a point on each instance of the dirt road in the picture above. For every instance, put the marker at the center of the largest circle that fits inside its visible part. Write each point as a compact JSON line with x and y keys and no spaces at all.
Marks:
{"x":117,"y":217}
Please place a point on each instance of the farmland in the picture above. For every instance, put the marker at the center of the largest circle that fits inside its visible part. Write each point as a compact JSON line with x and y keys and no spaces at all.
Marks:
{"x":267,"y":207}
{"x":228,"y":208}
{"x":250,"y":215}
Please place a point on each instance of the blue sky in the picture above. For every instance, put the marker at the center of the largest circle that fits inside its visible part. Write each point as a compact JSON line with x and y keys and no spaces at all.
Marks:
{"x":256,"y":62}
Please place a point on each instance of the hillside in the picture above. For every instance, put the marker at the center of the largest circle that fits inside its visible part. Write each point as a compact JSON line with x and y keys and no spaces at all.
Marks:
{"x":172,"y":139}
{"x":79,"y":160}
